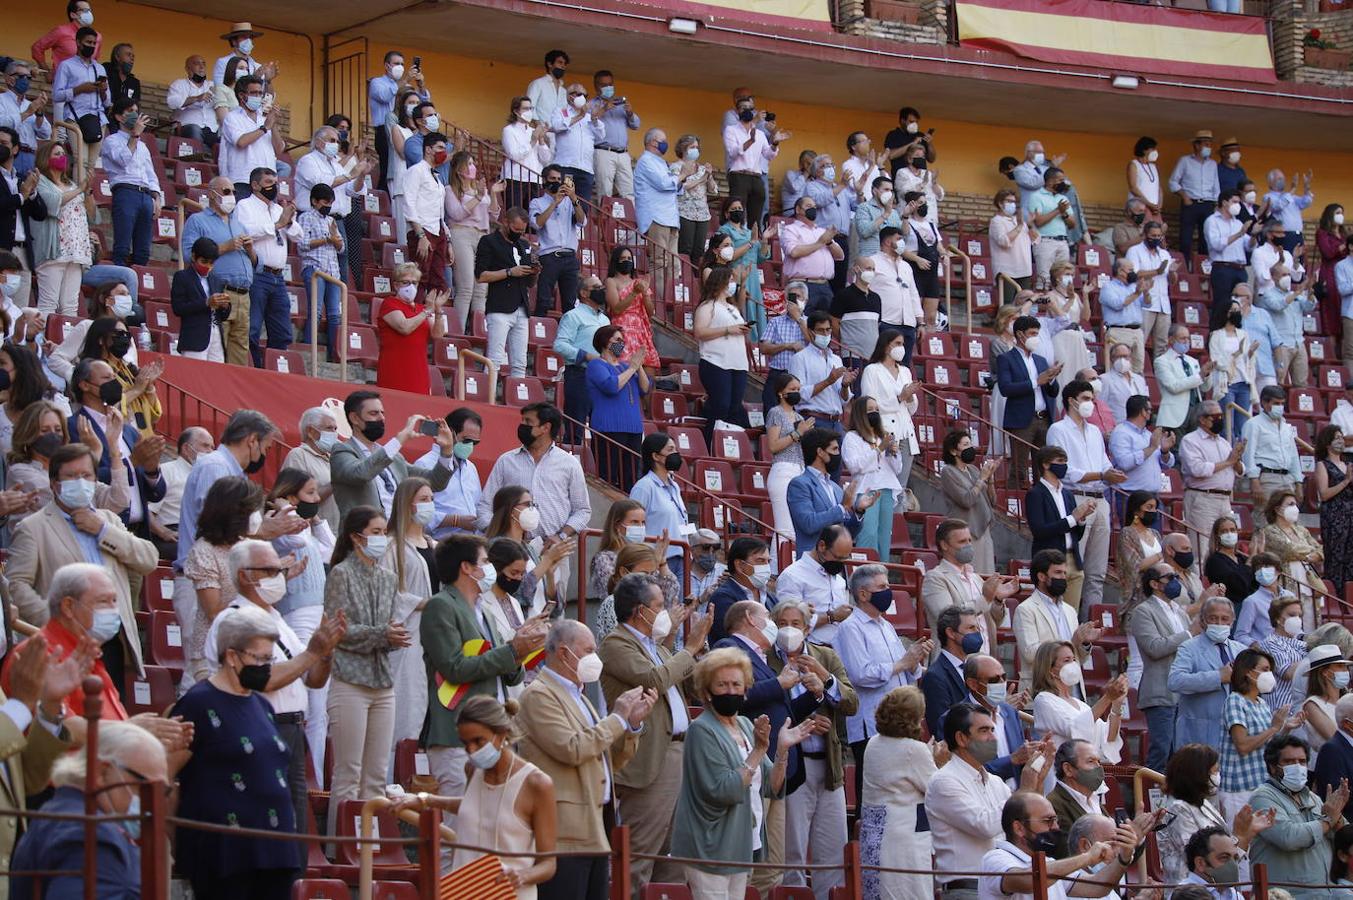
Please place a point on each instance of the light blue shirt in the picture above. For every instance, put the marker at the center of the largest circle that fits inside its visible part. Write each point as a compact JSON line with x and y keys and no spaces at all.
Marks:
{"x":616,"y":126}
{"x":232,"y":269}
{"x":1343,"y":279}
{"x":1029,"y":178}
{"x":1252,"y":623}
{"x":869,"y":648}
{"x":1286,"y":316}
{"x":655,"y":192}
{"x":573,"y":340}
{"x":460,"y":497}
{"x":663,"y":507}
{"x":1127,"y":449}
{"x":126,"y":160}
{"x":868,"y":236}
{"x":381,"y":93}
{"x":1258,"y":324}
{"x":88,"y":543}
{"x":791,"y":189}
{"x":833,"y":209}
{"x":811,"y":366}
{"x":1113,"y":298}
{"x":206,"y":471}
{"x":1195,"y":177}
{"x":575,"y":142}
{"x":72,"y":73}
{"x":560,"y":232}
{"x":1270,"y":444}
{"x":34,"y":128}
{"x":1286,"y":207}
{"x":681,"y":718}
{"x":1043,"y":201}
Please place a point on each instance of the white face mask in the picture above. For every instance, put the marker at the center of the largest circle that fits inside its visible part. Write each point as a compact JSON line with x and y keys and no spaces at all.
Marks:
{"x":1097,"y":385}
{"x":1233,"y":157}
{"x":635,"y":534}
{"x":1251,"y":196}
{"x":829,"y":173}
{"x":589,"y":668}
{"x":661,"y":627}
{"x":433,"y":122}
{"x":529,"y":519}
{"x":898,"y":353}
{"x":579,"y":102}
{"x":1338,"y":218}
{"x":1291,"y":513}
{"x":770,"y":633}
{"x":526,"y":115}
{"x":407,"y":292}
{"x":1122,"y":365}
{"x":1070,"y":673}
{"x":1233,"y":209}
{"x":886,"y":197}
{"x":1292,"y":625}
{"x":425,"y":513}
{"x":731,"y":289}
{"x":1266,"y":575}
{"x":789,"y":639}
{"x":10,"y":286}
{"x":246,"y":46}
{"x":1039,"y":158}
{"x":397,"y":71}
{"x":488,"y":579}
{"x":272,"y":589}
{"x":327,"y":441}
{"x":1152,"y":155}
{"x":1266,"y":682}
{"x":726,"y":252}
{"x":122,"y":305}
{"x":85,"y":17}
{"x":1229,"y":538}
{"x":330,"y":149}
{"x":1066,"y":280}
{"x":1205,"y":153}
{"x":865,"y":276}
{"x":227,"y":204}
{"x":1285,"y":282}
{"x":1008,"y":208}
{"x":761,"y":576}
{"x":1086,"y":408}
{"x":376,"y":545}
{"x":913,"y":127}
{"x":255,"y":522}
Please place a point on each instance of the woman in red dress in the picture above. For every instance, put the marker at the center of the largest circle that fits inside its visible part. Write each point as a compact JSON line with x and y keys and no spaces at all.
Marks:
{"x":1329,"y":240}
{"x":405,"y":329}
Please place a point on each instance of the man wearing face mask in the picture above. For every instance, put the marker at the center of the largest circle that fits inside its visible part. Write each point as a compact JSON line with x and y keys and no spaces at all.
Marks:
{"x":261,"y":581}
{"x":137,"y":197}
{"x":269,"y":224}
{"x":80,"y":92}
{"x":250,"y":139}
{"x":427,"y":122}
{"x":785,"y":334}
{"x":1029,"y":173}
{"x":573,"y":341}
{"x":581,"y":750}
{"x":1210,"y":465}
{"x":1049,"y":211}
{"x":1152,"y":262}
{"x":1288,"y":303}
{"x":1122,"y":380}
{"x":614,"y":176}
{"x":815,"y":812}
{"x":1253,"y":625}
{"x":425,"y":209}
{"x":164,"y":514}
{"x":1228,"y":246}
{"x":381,"y":93}
{"x":1214,"y":857}
{"x":1139,"y":451}
{"x":984,"y":681}
{"x":900,"y":307}
{"x":122,"y":84}
{"x":824,"y":379}
{"x":706,"y":570}
{"x":1122,"y":299}
{"x":1270,"y":455}
{"x":827,"y":188}
{"x":879,"y":211}
{"x":233,"y":271}
{"x":556,"y":215}
{"x":1334,"y":761}
{"x":1285,"y":205}
{"x":577,"y":128}
{"x":319,"y":436}
{"x":751,"y":139}
{"x":241,"y":37}
{"x":815,"y":500}
{"x":1195,"y":181}
{"x":1044,"y":616}
{"x":1181,"y":379}
{"x":1080,"y":776}
{"x":748,"y":577}
{"x":816,"y":579}
{"x":1161,"y":625}
{"x":26,"y":116}
{"x":1299,"y":846}
{"x":1057,"y":517}
{"x":365,"y":472}
{"x":1200,"y":674}
{"x":191,"y":99}
{"x":855,"y":311}
{"x":547,"y":93}
{"x":655,"y":205}
{"x":943,"y":683}
{"x":1029,"y":385}
{"x":635,"y":655}
{"x":1128,"y":232}
{"x":953,"y":582}
{"x":457,"y":504}
{"x":810,"y":253}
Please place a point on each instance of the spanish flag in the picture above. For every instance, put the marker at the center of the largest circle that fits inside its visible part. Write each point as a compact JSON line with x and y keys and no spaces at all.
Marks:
{"x":482,"y":879}
{"x":449,"y":695}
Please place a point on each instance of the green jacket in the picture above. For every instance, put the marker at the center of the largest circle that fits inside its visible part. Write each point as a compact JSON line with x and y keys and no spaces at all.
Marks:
{"x":449,"y":622}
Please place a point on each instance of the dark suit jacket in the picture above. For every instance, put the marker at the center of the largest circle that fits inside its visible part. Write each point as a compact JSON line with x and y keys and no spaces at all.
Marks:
{"x":766,"y":697}
{"x":1049,"y":528}
{"x":13,"y":208}
{"x":151,"y":489}
{"x":1068,"y":811}
{"x":1333,"y":763}
{"x":943,"y":686}
{"x":1018,"y":390}
{"x":725,"y":594}
{"x":1001,"y":766}
{"x":196,"y":318}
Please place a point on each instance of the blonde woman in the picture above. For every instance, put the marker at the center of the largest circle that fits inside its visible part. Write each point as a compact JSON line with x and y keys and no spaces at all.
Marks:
{"x":410,"y":557}
{"x":1064,"y":317}
{"x":406,"y":330}
{"x":1060,"y":713}
{"x":1002,"y":342}
{"x":470,"y":206}
{"x":879,"y":464}
{"x":61,"y":245}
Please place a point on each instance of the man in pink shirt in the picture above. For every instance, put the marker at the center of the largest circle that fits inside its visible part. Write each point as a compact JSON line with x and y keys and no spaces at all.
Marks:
{"x":810,"y":254}
{"x":61,"y":39}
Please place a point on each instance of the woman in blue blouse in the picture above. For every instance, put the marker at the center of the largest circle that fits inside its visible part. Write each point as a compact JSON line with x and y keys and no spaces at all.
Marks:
{"x":660,"y":496}
{"x":750,"y":250}
{"x":616,"y":389}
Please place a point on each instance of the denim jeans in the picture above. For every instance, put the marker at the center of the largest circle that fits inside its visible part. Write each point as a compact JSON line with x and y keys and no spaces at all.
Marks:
{"x":333,"y":297}
{"x":561,"y":269}
{"x":133,"y":226}
{"x":724,"y":389}
{"x":507,"y":340}
{"x":100,"y":274}
{"x":877,"y":528}
{"x":268,"y":305}
{"x":198,"y":133}
{"x":1160,"y":725}
{"x":1237,"y":392}
{"x":577,"y":402}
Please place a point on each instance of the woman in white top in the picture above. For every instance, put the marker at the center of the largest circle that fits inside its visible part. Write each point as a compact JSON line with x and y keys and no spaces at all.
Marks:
{"x":1066,"y":320}
{"x":1061,"y":714}
{"x":410,"y":557}
{"x":1327,"y":676}
{"x":508,"y":805}
{"x":874,"y":458}
{"x":1139,"y":548}
{"x":722,"y":333}
{"x":890,"y":385}
{"x":785,"y":428}
{"x":111,"y":299}
{"x":1235,"y":372}
{"x":1142,"y":178}
{"x":398,"y":130}
{"x":526,"y":141}
{"x":1192,"y":780}
{"x":223,"y":98}
{"x":1012,"y":245}
{"x":915,"y":176}
{"x":518,"y":593}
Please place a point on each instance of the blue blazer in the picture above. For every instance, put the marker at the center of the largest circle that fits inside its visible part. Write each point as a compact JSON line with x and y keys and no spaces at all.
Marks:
{"x":52,"y":844}
{"x":1015,"y":737}
{"x":1195,"y":676}
{"x":942,"y":686}
{"x":1333,"y":763}
{"x":151,"y":491}
{"x":1018,"y":390}
{"x":725,"y":594}
{"x":1049,"y":528}
{"x":766,"y":697}
{"x":189,"y":301}
{"x":813,"y":505}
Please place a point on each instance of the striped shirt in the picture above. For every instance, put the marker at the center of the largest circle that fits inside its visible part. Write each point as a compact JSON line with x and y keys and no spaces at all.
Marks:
{"x":1247,"y":772}
{"x":317,"y":227}
{"x":783,"y":330}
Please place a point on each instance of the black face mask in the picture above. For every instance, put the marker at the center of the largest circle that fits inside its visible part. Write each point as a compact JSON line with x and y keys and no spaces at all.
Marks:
{"x":373,"y":431}
{"x":793,"y":398}
{"x":307,"y":509}
{"x":1058,"y":469}
{"x":923,"y":210}
{"x":110,"y":392}
{"x":1148,"y":518}
{"x":1235,"y":318}
{"x":1046,"y":842}
{"x":255,"y":678}
{"x":5,"y":153}
{"x":119,"y":344}
{"x":1183,"y":560}
{"x":1276,"y":240}
{"x":834,"y":567}
{"x":1153,"y":243}
{"x":746,"y":115}
{"x":882,"y":600}
{"x":525,"y":435}
{"x":810,"y":214}
{"x":256,"y":464}
{"x":968,"y":455}
{"x":1131,"y":278}
{"x":557,"y":72}
{"x":598,"y":296}
{"x":198,"y":79}
{"x":5,"y":381}
{"x":269,"y":193}
{"x":1056,"y":587}
{"x":833,"y":460}
{"x":46,"y":445}
{"x":509,"y":585}
{"x":727,"y":704}
{"x":625,"y":266}
{"x":86,"y":52}
{"x":552,"y":187}
{"x":1061,"y":188}
{"x":1216,"y":424}
{"x":875,"y":421}
{"x":736,"y":216}
{"x":1138,"y":218}
{"x":673,"y":462}
{"x":126,"y":69}
{"x":1010,"y":176}
{"x":919,"y":162}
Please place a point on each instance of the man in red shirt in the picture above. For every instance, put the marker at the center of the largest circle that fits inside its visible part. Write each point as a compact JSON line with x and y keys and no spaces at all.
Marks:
{"x":61,"y":39}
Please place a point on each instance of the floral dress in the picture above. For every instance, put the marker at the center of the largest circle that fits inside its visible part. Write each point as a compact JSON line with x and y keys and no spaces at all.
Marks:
{"x":207,"y":566}
{"x":635,"y":322}
{"x":1336,"y":530}
{"x":73,"y":228}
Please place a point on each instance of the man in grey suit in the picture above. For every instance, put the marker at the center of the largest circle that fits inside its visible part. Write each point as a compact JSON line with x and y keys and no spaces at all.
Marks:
{"x":1160,"y":625}
{"x":365,"y":473}
{"x":1201,"y":675}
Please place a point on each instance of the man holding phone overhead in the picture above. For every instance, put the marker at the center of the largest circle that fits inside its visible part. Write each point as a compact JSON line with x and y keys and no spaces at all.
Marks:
{"x":366,"y":473}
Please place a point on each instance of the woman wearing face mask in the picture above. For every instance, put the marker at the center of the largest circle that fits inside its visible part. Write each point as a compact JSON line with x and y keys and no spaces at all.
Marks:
{"x":1002,"y":342}
{"x":22,"y":384}
{"x":509,"y":804}
{"x":470,"y":206}
{"x":526,"y":142}
{"x":1059,"y":712}
{"x":40,"y":430}
{"x":1143,"y":180}
{"x":625,"y":527}
{"x":356,"y":159}
{"x":1249,"y":723}
{"x":61,"y":245}
{"x":235,"y":782}
{"x":630,"y":307}
{"x":660,"y":495}
{"x":1331,"y":240}
{"x":900,"y":767}
{"x":1336,"y":505}
{"x":516,"y":516}
{"x":520,"y":590}
{"x":750,"y":248}
{"x":617,"y":390}
{"x":1286,"y":538}
{"x":302,"y":606}
{"x":410,"y":557}
{"x":1192,"y":782}
{"x":724,"y":361}
{"x":111,"y":300}
{"x":693,"y":199}
{"x":970,"y":494}
{"x":109,"y":339}
{"x":1226,"y":565}
{"x":399,"y":128}
{"x":362,"y":704}
{"x":889,"y":384}
{"x":1286,"y":645}
{"x":1235,"y":372}
{"x":223,"y":96}
{"x":1325,"y":670}
{"x":925,"y":252}
{"x":728,"y":767}
{"x":1139,"y":545}
{"x":917,"y":177}
{"x":1252,"y":622}
{"x":1012,"y":240}
{"x":719,"y":252}
{"x":785,"y":428}
{"x":1065,"y":318}
{"x":406,"y":330}
{"x":879,"y":465}
{"x":232,"y":510}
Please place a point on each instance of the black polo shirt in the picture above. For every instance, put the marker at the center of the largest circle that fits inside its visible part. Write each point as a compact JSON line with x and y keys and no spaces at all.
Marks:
{"x":497,"y":253}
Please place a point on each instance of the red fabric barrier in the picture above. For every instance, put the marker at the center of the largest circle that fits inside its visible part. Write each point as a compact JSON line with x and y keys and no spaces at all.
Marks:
{"x":282,"y":398}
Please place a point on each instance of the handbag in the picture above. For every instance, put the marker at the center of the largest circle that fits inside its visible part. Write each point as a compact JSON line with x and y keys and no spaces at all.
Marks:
{"x":91,"y":128}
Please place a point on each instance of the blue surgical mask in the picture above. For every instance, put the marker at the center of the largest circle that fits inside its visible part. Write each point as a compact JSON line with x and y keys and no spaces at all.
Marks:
{"x":376,"y":545}
{"x":133,"y":826}
{"x":107,"y":623}
{"x":822,"y":340}
{"x":1218,"y":634}
{"x":122,"y":305}
{"x":487,"y":756}
{"x":76,"y":493}
{"x":254,"y":102}
{"x":1341,"y":679}
{"x":425,"y":513}
{"x":462,"y":450}
{"x":662,"y":148}
{"x":1181,"y":347}
{"x":1294,"y":776}
{"x":328,"y":440}
{"x":608,"y":91}
{"x":996,"y":693}
{"x":972,"y":642}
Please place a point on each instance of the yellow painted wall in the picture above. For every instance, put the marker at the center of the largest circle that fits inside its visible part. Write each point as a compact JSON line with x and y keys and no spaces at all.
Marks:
{"x":475,"y":93}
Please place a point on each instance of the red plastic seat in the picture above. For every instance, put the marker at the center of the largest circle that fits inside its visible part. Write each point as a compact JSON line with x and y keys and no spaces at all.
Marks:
{"x":715,"y":475}
{"x":101,"y":188}
{"x":361,"y":343}
{"x":688,"y":377}
{"x":753,"y":479}
{"x":152,"y":283}
{"x":690,"y":441}
{"x":670,"y":407}
{"x":154,"y":693}
{"x":409,"y":761}
{"x":394,"y":890}
{"x":477,"y":387}
{"x":382,"y":229}
{"x":665,"y":892}
{"x":522,"y":391}
{"x":940,"y":344}
{"x":157,"y":589}
{"x":193,"y":174}
{"x":288,"y":362}
{"x":177,"y":147}
{"x":392,"y":254}
{"x":540,"y":331}
{"x":376,"y":202}
{"x":733,"y":446}
{"x":319,"y":889}
{"x":166,"y":640}
{"x":389,"y":859}
{"x":548,"y":364}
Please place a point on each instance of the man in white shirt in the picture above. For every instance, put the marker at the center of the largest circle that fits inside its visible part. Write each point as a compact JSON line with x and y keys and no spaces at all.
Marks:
{"x":1228,"y":246}
{"x":191,"y":100}
{"x":249,"y":136}
{"x":894,"y":282}
{"x":577,"y":129}
{"x":458,"y":502}
{"x":1270,"y":253}
{"x":1120,"y":382}
{"x":425,"y":209}
{"x":1088,"y":473}
{"x":164,"y":514}
{"x":1091,"y":829}
{"x":1343,"y":412}
{"x":1152,"y":260}
{"x":818,"y":579}
{"x":268,"y":226}
{"x":241,"y":39}
{"x":321,"y":166}
{"x":547,"y":92}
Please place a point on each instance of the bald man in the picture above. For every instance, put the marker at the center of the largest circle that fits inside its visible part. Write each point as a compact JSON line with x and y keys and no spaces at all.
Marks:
{"x":191,"y":100}
{"x":233,"y":272}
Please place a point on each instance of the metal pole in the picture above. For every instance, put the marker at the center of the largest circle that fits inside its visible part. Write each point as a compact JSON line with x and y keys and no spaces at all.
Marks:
{"x":154,"y":843}
{"x":854,"y":876}
{"x":93,"y":688}
{"x":620,"y":862}
{"x":1040,"y":872}
{"x":429,"y":854}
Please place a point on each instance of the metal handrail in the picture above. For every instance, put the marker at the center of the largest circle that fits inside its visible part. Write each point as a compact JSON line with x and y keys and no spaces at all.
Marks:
{"x":967,"y":287}
{"x":489,"y":364}
{"x":315,"y":278}
{"x":181,"y":215}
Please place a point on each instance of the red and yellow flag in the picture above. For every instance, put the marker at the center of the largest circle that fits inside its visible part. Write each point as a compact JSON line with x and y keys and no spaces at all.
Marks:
{"x":482,"y":879}
{"x":449,"y":695}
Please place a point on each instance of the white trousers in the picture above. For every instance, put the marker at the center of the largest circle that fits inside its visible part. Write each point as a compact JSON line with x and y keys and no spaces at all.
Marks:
{"x":815,"y":827}
{"x":705,"y":886}
{"x":59,"y":288}
{"x":777,"y":486}
{"x":614,"y":175}
{"x":1095,"y":555}
{"x":304,"y":621}
{"x":507,"y":341}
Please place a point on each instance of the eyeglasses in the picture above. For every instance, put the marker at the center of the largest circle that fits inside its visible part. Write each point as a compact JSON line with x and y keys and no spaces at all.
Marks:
{"x":1046,"y":820}
{"x":258,"y":661}
{"x":168,"y":788}
{"x":268,"y":571}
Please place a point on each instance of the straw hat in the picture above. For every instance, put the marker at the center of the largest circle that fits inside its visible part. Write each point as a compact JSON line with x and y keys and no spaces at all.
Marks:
{"x":1203,"y":134}
{"x":241,"y":29}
